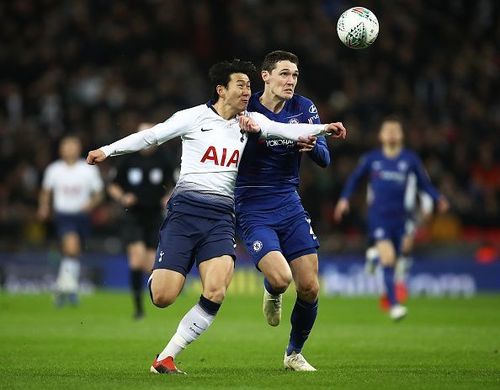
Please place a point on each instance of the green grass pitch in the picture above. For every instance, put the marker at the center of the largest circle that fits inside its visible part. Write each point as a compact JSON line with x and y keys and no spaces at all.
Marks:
{"x":443,"y":343}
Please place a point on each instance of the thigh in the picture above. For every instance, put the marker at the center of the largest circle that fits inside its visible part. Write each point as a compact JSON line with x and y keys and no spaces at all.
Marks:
{"x":305,"y":271}
{"x":70,"y":242}
{"x":258,"y":236}
{"x":166,"y":283}
{"x":136,"y":253}
{"x":217,"y":238}
{"x":275,"y":268}
{"x":297,"y":237}
{"x":386,"y":251}
{"x":178,"y":238}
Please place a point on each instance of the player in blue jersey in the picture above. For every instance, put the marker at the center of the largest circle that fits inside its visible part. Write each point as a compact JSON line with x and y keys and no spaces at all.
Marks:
{"x":270,"y":218}
{"x":199,"y":226}
{"x":419,"y":206}
{"x":388,"y":170}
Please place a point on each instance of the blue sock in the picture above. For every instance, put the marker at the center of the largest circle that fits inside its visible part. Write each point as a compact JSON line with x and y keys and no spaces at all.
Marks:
{"x":389,"y":285}
{"x":269,"y":288}
{"x":302,"y":320}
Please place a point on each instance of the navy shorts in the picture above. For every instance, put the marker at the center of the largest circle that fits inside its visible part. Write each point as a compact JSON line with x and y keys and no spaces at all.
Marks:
{"x":186,"y":239}
{"x":72,"y":223}
{"x":287,"y":230}
{"x":393,"y":232}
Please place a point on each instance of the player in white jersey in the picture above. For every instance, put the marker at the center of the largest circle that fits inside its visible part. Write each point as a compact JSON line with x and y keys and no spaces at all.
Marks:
{"x":199,"y":226}
{"x":73,"y":188}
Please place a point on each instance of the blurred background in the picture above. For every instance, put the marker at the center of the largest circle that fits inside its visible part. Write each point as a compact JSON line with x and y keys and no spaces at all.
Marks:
{"x":98,"y":68}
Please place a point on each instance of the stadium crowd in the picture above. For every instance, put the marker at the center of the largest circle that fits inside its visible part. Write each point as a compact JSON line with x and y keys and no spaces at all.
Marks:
{"x":98,"y":68}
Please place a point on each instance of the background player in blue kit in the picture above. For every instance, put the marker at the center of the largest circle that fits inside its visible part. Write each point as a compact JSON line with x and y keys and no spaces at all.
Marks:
{"x":388,"y":170}
{"x":270,"y":217}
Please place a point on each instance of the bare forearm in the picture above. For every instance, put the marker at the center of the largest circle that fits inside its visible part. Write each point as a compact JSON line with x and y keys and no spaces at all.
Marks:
{"x":44,"y":199}
{"x":115,"y":192}
{"x":95,"y":200}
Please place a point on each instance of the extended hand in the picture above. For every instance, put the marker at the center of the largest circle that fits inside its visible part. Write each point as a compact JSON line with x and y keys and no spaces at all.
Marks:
{"x":306,"y":144}
{"x":95,"y":156}
{"x":248,"y":124}
{"x":336,"y":130}
{"x":443,"y":205}
{"x":341,"y":208}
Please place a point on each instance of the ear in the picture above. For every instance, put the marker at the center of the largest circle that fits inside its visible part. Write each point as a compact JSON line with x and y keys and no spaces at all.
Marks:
{"x":265,"y":75}
{"x":221,"y":90}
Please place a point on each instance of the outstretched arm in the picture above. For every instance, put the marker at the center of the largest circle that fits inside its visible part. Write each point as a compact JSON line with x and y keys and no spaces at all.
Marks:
{"x":293,"y":131}
{"x":131,"y":143}
{"x":425,"y":184}
{"x":175,"y":126}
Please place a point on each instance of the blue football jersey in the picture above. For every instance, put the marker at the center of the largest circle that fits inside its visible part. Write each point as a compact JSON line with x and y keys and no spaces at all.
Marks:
{"x":388,"y":181}
{"x":269,"y":169}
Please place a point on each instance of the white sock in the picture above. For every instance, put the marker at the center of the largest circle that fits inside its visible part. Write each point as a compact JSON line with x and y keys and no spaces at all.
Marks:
{"x":69,"y":275}
{"x":193,"y":324}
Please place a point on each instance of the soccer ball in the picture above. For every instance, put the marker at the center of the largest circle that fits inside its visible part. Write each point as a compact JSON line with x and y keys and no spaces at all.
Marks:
{"x":357,"y":28}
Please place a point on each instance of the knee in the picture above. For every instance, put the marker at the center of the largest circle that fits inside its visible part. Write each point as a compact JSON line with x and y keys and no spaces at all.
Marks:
{"x":215,"y":294}
{"x":71,"y":249}
{"x":280,"y":282}
{"x":388,"y":261}
{"x":308,"y":292}
{"x":162,"y":299}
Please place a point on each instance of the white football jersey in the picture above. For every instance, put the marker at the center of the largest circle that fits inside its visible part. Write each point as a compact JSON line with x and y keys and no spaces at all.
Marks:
{"x":211,"y":145}
{"x":72,"y":185}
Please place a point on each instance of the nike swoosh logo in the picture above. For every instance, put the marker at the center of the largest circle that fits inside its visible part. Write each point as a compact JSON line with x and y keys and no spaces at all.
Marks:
{"x":202,"y":129}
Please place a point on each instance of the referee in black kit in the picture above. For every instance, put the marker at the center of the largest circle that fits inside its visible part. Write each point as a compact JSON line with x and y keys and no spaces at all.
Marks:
{"x":141,"y":184}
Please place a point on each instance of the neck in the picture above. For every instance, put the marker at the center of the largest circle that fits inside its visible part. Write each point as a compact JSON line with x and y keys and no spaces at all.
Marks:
{"x":225,"y":111}
{"x":271,"y":101}
{"x":391,"y":151}
{"x":70,"y":161}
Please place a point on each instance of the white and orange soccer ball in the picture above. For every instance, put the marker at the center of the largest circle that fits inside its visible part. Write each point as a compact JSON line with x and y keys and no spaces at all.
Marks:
{"x":357,"y":28}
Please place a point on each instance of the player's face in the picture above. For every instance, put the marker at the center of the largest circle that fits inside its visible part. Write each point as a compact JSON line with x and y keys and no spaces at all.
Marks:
{"x":237,"y":93}
{"x":70,"y":149}
{"x":282,"y":80}
{"x":391,"y":133}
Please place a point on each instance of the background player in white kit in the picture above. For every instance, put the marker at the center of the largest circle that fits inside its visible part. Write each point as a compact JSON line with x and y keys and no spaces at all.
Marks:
{"x":73,"y":189}
{"x":199,"y":226}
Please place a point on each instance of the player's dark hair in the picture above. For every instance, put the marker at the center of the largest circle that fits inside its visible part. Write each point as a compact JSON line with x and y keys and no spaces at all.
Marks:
{"x":220,"y":73}
{"x":392,"y":118}
{"x":273,"y":57}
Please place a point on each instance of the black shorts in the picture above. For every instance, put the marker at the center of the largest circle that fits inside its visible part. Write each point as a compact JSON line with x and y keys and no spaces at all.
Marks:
{"x":142,"y":225}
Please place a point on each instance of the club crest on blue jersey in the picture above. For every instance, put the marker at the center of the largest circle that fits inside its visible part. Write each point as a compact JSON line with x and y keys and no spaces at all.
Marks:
{"x":257,"y":246}
{"x":379,"y":233}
